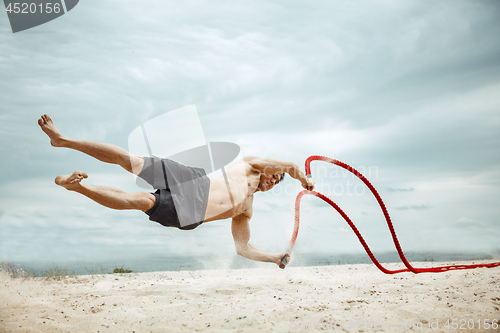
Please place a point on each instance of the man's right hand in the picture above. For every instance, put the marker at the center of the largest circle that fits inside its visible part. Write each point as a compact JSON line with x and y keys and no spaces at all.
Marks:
{"x":308,"y":184}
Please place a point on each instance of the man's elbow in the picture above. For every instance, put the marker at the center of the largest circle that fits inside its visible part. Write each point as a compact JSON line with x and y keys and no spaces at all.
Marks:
{"x":241,"y":249}
{"x":294,"y":170}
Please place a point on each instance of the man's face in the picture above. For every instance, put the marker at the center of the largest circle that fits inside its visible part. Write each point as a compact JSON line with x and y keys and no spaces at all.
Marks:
{"x":267,"y":182}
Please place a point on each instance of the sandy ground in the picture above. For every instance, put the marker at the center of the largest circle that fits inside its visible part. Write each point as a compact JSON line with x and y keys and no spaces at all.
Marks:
{"x":354,"y":298}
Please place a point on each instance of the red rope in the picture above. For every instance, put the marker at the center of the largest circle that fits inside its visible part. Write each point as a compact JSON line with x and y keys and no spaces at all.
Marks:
{"x":358,"y":234}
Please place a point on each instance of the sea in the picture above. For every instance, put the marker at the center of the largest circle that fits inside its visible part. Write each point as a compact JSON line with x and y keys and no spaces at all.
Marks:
{"x":206,"y":262}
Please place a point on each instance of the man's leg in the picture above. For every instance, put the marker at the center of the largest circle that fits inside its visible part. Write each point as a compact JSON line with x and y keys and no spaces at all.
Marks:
{"x":104,"y":152}
{"x":107,"y":196}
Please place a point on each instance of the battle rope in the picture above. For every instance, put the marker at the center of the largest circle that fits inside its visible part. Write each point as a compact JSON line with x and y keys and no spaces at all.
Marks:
{"x":358,"y":234}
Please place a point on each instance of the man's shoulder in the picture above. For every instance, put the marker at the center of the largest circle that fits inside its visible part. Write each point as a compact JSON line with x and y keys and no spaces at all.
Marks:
{"x":263,"y":163}
{"x":251,"y":158}
{"x":252,"y":162}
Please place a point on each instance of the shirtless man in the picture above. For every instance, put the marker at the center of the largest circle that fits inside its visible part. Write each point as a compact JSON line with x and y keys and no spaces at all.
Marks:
{"x":243,"y":178}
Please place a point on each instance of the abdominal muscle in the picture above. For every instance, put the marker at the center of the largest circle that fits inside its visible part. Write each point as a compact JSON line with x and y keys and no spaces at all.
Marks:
{"x":219,"y":204}
{"x":240,"y":186}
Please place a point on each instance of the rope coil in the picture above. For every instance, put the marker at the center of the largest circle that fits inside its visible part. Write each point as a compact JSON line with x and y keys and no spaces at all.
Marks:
{"x":409,"y":268}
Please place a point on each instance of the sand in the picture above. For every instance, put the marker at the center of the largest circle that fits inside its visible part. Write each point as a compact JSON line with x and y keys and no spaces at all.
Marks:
{"x":348,"y":298}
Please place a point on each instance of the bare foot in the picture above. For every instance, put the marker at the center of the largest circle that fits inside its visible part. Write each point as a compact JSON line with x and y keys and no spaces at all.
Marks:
{"x":70,"y":182}
{"x":47,"y":125}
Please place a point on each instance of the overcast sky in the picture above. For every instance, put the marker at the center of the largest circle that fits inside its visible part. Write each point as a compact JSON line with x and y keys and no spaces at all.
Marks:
{"x":408,"y":91}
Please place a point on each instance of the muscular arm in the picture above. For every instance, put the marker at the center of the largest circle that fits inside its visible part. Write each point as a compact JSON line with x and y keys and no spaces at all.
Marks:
{"x":271,"y":166}
{"x":240,"y":228}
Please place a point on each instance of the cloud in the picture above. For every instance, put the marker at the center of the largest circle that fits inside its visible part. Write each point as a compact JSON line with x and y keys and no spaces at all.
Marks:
{"x":409,"y":98}
{"x":415,"y":207}
{"x":405,"y":189}
{"x":465,"y":222}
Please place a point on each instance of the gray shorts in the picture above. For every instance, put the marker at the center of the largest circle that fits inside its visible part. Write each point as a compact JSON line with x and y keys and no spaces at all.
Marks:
{"x":181,"y":192}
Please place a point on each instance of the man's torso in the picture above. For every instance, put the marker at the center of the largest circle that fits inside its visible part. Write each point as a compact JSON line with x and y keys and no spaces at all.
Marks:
{"x":234,"y":197}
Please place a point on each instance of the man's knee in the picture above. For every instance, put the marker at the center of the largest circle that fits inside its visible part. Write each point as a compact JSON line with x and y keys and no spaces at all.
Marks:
{"x":130,"y":162}
{"x":145,"y":201}
{"x":136,"y":162}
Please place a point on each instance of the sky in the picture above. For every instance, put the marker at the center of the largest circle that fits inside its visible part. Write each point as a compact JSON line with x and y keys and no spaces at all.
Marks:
{"x":407,"y":92}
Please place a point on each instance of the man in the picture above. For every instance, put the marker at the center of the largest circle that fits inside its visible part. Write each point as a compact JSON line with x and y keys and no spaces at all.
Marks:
{"x":228,"y":196}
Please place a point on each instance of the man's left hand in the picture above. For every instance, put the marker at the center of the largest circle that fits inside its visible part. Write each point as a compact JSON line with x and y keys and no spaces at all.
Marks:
{"x":280,"y":256}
